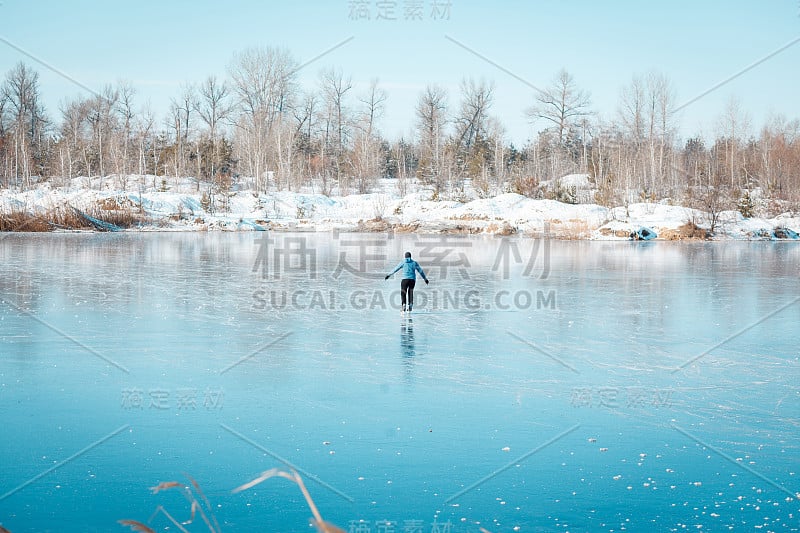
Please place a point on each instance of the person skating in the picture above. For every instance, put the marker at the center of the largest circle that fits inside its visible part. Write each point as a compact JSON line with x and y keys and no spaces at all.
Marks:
{"x":407,"y":282}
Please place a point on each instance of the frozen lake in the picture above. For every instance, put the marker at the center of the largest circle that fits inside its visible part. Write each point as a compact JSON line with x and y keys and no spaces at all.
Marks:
{"x":538,"y":386}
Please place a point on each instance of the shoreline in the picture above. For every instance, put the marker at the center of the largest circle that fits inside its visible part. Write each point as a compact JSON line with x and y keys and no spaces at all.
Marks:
{"x":77,"y":208}
{"x":562,"y":233}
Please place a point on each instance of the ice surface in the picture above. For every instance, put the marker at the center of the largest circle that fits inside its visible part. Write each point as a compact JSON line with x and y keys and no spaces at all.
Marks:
{"x":576,"y":386}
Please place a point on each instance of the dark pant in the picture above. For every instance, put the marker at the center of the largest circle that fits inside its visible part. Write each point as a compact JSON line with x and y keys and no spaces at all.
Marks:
{"x":407,"y":286}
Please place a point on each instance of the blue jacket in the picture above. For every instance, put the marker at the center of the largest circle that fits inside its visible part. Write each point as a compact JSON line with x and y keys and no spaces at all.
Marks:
{"x":410,"y":269}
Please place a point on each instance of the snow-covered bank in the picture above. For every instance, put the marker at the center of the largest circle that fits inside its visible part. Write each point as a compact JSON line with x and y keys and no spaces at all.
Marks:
{"x":190,"y":210}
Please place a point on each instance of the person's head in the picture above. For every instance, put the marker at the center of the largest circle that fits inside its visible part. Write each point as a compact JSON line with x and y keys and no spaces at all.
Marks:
{"x":408,"y":255}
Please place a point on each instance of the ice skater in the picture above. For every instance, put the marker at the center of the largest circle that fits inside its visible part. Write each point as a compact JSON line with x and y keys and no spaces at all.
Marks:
{"x":409,"y":279}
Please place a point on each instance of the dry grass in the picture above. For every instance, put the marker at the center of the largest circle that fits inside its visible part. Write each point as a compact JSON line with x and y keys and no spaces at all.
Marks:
{"x":374,"y":225}
{"x":198,"y":502}
{"x":608,"y":232}
{"x":688,"y":231}
{"x":461,"y":229}
{"x":406,"y":228}
{"x":64,"y":217}
{"x":504,"y":229}
{"x":469,"y":217}
{"x":573,"y":229}
{"x":200,"y":506}
{"x":136,"y":526}
{"x":22,"y":221}
{"x":124,"y":218}
{"x":321,"y":525}
{"x":113,"y":204}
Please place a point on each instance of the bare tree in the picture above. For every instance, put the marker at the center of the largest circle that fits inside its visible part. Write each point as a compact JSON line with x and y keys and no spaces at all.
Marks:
{"x":102,"y":122}
{"x":335,"y":87}
{"x":127,"y":115}
{"x":5,"y":163}
{"x":431,"y":114}
{"x":143,"y":131}
{"x":373,"y":106}
{"x":471,"y":120}
{"x":212,"y":104}
{"x":471,"y":149}
{"x":264,"y":82}
{"x":73,"y":140}
{"x":733,"y":125}
{"x":95,"y":133}
{"x":646,"y":115}
{"x":631,"y":110}
{"x":26,"y":123}
{"x":213,"y":107}
{"x":563,"y":104}
{"x":180,"y":122}
{"x":367,"y":145}
{"x":305,"y":116}
{"x":497,"y":134}
{"x":661,"y":104}
{"x":779,"y":157}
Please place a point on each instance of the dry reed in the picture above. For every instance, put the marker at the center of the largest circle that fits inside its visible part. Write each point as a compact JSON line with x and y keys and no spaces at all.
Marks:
{"x":200,"y":505}
{"x":64,"y":217}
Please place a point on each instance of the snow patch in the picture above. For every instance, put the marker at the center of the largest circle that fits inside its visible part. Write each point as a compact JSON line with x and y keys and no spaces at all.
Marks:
{"x":183,"y":207}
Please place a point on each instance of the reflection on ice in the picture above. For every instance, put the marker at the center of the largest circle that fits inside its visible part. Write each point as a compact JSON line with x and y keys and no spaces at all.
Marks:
{"x":407,"y":338}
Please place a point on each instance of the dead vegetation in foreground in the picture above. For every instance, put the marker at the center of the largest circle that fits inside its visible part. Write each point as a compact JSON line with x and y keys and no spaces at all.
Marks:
{"x":200,"y":506}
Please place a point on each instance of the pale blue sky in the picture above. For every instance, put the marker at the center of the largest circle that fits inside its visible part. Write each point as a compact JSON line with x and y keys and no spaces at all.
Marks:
{"x":160,"y":45}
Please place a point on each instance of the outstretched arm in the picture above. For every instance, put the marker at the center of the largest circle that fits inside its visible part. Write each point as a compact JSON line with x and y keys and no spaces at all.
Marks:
{"x":421,"y":273}
{"x":398,"y":267}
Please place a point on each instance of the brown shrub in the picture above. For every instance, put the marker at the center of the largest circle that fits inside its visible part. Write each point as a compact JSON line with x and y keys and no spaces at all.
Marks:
{"x":64,"y":217}
{"x":23,"y":221}
{"x":690,"y":230}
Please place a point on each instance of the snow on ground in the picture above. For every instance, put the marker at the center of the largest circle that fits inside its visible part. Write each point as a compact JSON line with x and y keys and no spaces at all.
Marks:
{"x":180,"y":206}
{"x":579,"y":181}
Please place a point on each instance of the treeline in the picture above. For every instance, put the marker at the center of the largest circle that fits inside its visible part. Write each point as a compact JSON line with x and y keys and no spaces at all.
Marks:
{"x":259,"y":128}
